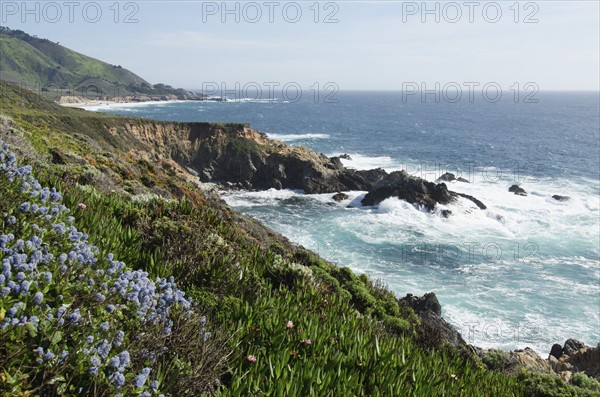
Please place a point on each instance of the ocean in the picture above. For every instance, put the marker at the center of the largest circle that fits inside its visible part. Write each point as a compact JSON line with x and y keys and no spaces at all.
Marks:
{"x":524,"y":272}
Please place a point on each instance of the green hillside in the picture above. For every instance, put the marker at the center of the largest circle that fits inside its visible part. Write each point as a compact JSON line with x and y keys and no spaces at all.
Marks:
{"x":42,"y":64}
{"x":269,"y":318}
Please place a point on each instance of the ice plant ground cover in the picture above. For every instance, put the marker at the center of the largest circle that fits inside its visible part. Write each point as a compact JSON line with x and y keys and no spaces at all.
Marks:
{"x":75,"y":322}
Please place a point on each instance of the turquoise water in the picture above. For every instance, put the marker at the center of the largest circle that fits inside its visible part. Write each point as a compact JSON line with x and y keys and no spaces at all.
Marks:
{"x":524,"y":272}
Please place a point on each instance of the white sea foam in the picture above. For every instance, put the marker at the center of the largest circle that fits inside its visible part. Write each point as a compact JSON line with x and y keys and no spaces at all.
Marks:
{"x":297,"y":137}
{"x":125,"y":106}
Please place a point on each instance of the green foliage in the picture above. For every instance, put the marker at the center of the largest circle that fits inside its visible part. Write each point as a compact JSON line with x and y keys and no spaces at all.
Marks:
{"x":538,"y":385}
{"x":585,"y":382}
{"x":496,"y":360}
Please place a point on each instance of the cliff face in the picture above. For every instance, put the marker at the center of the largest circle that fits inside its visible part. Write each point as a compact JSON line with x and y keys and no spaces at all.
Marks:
{"x":237,"y":154}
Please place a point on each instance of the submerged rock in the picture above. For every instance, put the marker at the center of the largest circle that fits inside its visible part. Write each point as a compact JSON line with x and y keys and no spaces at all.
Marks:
{"x":340,"y":197}
{"x":561,"y":198}
{"x":447,"y":177}
{"x":519,"y":191}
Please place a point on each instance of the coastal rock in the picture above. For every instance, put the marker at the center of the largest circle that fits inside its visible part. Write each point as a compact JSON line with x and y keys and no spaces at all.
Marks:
{"x":519,"y":191}
{"x":345,"y":156}
{"x":571,"y":346}
{"x":473,"y":199}
{"x":414,"y":190}
{"x":561,"y":198}
{"x":585,"y":360}
{"x":574,"y":356}
{"x":527,"y":358}
{"x":409,"y":188}
{"x":234,"y":153}
{"x":421,"y":304}
{"x":447,"y":177}
{"x":340,"y":197}
{"x":556,"y":351}
{"x":436,"y":331}
{"x":446,"y":213}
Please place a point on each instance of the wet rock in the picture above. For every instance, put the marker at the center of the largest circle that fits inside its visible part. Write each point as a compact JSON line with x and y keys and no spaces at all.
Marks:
{"x":447,"y":177}
{"x":340,"y":197}
{"x":571,"y":346}
{"x":561,"y":198}
{"x":556,"y":351}
{"x":412,"y":189}
{"x":519,"y":191}
{"x":446,"y":213}
{"x":461,"y":179}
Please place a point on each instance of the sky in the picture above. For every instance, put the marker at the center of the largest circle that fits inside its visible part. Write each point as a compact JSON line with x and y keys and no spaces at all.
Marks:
{"x":355,"y":45}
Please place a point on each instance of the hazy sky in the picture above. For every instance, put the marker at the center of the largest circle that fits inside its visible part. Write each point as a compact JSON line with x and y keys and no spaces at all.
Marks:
{"x":366,"y":45}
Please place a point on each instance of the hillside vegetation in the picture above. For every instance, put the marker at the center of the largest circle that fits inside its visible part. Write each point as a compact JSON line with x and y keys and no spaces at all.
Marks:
{"x":128,"y":278}
{"x":43,"y":65}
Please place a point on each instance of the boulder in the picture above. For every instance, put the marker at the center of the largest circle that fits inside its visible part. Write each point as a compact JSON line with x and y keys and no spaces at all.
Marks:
{"x":571,"y":346}
{"x":461,"y":179}
{"x":435,"y":331}
{"x":447,"y":177}
{"x":446,"y":213}
{"x":519,"y":191}
{"x":345,"y":156}
{"x":561,"y":198}
{"x":340,"y":197}
{"x":556,"y":351}
{"x":421,"y":304}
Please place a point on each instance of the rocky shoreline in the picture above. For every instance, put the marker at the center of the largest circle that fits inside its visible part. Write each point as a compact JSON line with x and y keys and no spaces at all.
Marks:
{"x":562,"y":362}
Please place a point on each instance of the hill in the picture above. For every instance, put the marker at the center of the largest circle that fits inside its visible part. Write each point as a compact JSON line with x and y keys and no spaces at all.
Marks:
{"x":43,"y":65}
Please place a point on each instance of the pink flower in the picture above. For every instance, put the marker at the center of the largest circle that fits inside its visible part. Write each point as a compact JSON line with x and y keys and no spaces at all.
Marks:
{"x":306,"y":342}
{"x":82,"y":206}
{"x":252,"y":358}
{"x":289,"y":325}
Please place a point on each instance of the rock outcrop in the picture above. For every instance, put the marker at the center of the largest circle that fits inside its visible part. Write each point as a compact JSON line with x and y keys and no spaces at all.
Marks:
{"x":414,"y":190}
{"x":238,"y":155}
{"x":436,"y":330}
{"x":558,"y":197}
{"x":340,"y":197}
{"x":517,"y":190}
